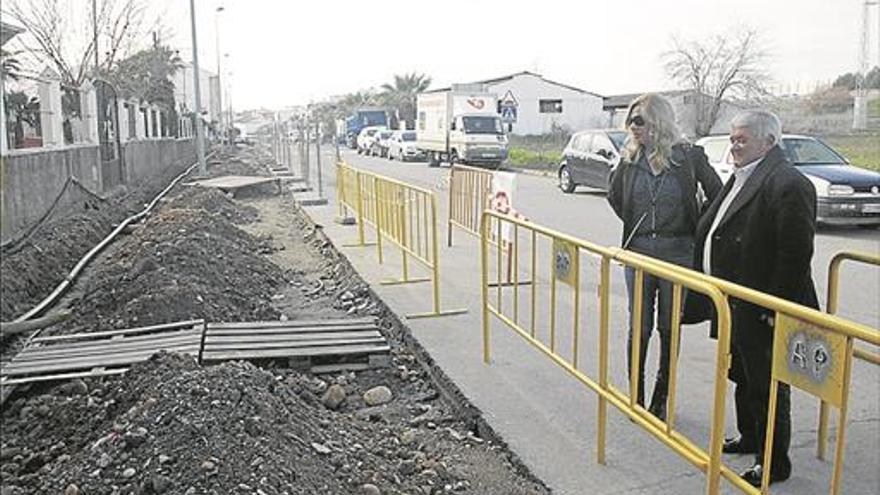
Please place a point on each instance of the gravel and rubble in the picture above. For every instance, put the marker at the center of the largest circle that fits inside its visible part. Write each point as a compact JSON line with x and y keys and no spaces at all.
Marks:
{"x":172,"y":426}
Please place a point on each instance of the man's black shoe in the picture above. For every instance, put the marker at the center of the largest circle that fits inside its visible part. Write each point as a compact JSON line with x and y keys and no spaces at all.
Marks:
{"x":738,"y":446}
{"x":753,"y":475}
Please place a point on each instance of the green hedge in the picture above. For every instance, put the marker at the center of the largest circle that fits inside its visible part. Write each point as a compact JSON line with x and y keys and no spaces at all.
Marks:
{"x":522,"y":157}
{"x":861,"y":149}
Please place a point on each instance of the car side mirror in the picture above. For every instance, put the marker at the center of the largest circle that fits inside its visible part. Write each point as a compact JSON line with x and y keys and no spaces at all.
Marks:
{"x":604,"y":154}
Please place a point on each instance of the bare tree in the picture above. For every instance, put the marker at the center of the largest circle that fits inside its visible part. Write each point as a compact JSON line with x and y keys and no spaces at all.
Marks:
{"x":718,"y":68}
{"x":65,"y":41}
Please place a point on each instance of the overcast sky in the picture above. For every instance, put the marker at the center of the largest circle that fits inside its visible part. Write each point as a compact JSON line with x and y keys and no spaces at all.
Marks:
{"x":290,"y":52}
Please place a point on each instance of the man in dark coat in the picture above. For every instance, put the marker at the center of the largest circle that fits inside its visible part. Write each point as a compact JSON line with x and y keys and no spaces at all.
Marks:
{"x":759,"y":233}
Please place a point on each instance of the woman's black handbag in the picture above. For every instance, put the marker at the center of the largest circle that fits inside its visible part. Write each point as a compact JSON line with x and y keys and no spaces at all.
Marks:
{"x":697,"y":308}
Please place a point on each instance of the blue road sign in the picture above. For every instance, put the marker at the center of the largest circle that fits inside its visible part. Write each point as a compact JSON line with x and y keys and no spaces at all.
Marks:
{"x":508,"y":113}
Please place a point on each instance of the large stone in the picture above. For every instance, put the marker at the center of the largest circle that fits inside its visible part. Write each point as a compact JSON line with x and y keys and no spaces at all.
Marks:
{"x":377,"y":396}
{"x":333,"y":397}
{"x":370,"y":489}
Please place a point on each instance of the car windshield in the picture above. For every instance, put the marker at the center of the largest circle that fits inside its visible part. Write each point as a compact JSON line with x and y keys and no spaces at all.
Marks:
{"x":805,"y":151}
{"x":618,"y":138}
{"x":371,"y":132}
{"x":482,"y":125}
{"x":385,"y":135}
{"x":408,"y":136}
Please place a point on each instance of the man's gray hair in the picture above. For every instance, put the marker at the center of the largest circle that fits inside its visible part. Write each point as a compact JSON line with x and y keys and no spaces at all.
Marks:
{"x":763,"y":124}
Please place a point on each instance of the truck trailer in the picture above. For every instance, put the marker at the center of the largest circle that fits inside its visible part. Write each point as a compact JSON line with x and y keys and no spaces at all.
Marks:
{"x":460,"y":125}
{"x":363,"y":117}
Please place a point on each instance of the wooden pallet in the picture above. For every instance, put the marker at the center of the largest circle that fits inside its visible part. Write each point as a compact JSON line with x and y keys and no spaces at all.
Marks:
{"x":321,"y":345}
{"x":99,"y":353}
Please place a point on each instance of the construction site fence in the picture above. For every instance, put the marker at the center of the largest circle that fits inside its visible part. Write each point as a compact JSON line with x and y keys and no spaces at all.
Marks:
{"x":832,"y":301}
{"x":401,"y":214}
{"x":551,"y":262}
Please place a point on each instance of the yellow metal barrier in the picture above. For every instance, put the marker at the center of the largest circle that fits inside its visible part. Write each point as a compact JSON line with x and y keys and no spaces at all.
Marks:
{"x":564,"y":269}
{"x":793,"y":321}
{"x":469,"y":190}
{"x":832,"y":301}
{"x":401,"y":213}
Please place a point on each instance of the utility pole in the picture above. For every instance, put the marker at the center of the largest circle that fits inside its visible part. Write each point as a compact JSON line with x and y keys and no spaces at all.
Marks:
{"x":219,"y":72}
{"x":95,"y":32}
{"x":318,"y":156}
{"x":200,"y":131}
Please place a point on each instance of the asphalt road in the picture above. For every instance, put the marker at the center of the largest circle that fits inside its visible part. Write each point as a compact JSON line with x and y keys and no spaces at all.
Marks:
{"x":586,"y":214}
{"x":548,"y":418}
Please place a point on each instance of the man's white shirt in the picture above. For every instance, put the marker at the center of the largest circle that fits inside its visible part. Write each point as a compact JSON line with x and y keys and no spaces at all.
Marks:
{"x":740,"y":176}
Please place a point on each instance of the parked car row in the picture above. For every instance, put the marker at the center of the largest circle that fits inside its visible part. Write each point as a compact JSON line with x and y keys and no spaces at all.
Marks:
{"x":379,"y":141}
{"x":846,"y":194}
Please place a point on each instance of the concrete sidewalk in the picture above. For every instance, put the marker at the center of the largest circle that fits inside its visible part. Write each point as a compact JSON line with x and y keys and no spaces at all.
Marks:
{"x":549,"y":419}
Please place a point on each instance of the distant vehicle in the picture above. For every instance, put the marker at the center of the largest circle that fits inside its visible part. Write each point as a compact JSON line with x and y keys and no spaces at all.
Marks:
{"x":363,"y":117}
{"x":460,"y":126}
{"x":379,"y":146}
{"x":366,"y":137}
{"x":402,"y":146}
{"x":589,"y":158}
{"x":846,"y":194}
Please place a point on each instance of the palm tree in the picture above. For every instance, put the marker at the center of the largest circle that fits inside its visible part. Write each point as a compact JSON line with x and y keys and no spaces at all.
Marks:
{"x":402,"y":95}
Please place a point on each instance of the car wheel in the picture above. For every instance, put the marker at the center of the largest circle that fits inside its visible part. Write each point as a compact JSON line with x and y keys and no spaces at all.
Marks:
{"x":400,"y":156}
{"x":453,"y":158}
{"x":434,"y":160}
{"x":565,"y":182}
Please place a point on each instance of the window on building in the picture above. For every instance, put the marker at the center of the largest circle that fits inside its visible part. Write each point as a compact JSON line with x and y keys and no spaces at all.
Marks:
{"x":550,"y":106}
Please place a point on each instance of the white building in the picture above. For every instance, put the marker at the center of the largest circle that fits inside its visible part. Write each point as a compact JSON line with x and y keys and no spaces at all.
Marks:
{"x":541,"y":104}
{"x":209,"y":90}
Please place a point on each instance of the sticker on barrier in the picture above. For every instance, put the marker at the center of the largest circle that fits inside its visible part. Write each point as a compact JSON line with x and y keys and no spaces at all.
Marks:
{"x":810,"y":358}
{"x":565,"y":262}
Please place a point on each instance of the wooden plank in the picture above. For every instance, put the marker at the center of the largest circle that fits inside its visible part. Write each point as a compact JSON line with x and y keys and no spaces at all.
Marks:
{"x":290,"y":345}
{"x":291,"y":323}
{"x":73,"y":364}
{"x":296,"y":337}
{"x":119,"y":339}
{"x":288,"y":331}
{"x":190,"y":324}
{"x":305,"y":351}
{"x":105,"y":348}
{"x":64,"y":376}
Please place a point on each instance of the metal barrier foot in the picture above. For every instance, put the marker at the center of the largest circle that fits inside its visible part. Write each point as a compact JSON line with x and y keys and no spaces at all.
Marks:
{"x":510,"y":284}
{"x":401,"y":281}
{"x":432,"y":314}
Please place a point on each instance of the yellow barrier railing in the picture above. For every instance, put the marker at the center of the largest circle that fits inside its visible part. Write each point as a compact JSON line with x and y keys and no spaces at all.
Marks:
{"x":791,"y":320}
{"x":469,"y":190}
{"x":832,"y":301}
{"x":401,"y":213}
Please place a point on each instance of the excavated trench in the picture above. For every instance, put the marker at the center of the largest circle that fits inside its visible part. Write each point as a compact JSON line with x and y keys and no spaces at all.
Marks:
{"x":170,"y":425}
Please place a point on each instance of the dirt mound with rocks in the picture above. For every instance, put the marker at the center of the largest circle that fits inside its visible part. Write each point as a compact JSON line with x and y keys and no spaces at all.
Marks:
{"x":181,"y":264}
{"x":215,"y":203}
{"x":171,"y":426}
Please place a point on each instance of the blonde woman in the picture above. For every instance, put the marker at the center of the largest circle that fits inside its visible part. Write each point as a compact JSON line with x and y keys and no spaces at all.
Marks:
{"x":654,"y":191}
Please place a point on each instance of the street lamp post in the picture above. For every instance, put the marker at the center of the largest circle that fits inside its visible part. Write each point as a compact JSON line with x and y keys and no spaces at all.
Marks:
{"x":200,"y":130}
{"x":219,"y":71}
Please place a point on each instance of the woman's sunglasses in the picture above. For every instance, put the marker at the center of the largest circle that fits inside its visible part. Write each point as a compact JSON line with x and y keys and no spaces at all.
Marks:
{"x":637,"y":121}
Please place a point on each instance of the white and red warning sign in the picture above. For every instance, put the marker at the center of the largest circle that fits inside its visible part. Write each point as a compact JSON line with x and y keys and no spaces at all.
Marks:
{"x":501,"y":200}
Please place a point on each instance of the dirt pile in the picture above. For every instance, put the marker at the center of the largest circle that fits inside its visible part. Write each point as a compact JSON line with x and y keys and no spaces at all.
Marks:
{"x":170,"y":426}
{"x":181,"y":264}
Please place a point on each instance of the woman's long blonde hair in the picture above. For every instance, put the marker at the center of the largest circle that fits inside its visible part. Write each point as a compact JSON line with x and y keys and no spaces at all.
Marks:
{"x":660,"y":124}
